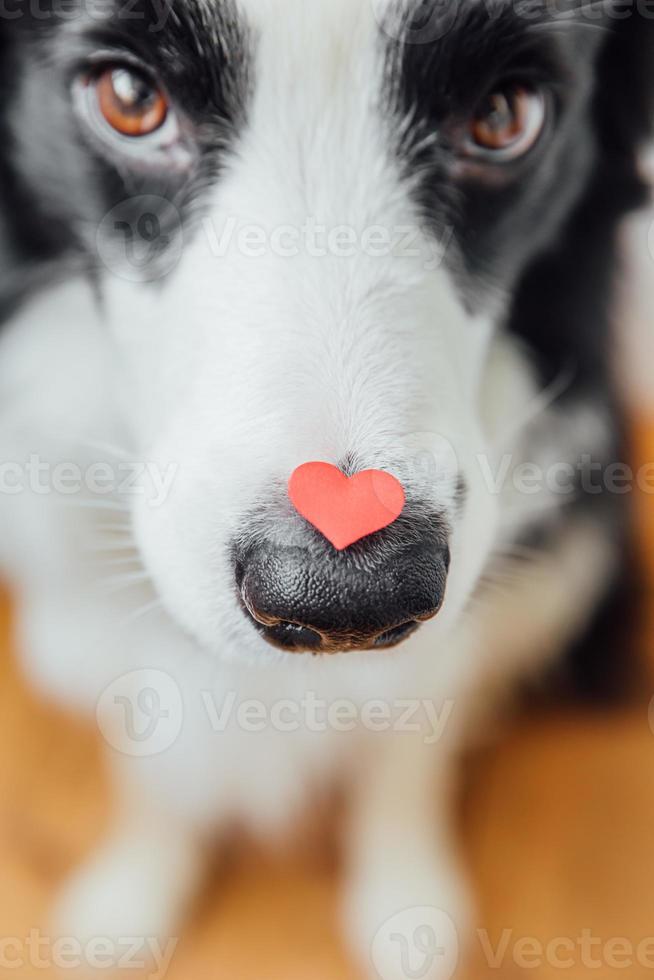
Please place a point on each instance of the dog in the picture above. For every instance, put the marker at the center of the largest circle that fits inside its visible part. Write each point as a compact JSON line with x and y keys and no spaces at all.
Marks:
{"x":238,"y":237}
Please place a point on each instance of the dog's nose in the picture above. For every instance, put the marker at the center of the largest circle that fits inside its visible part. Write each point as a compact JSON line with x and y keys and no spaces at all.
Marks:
{"x":314,"y":598}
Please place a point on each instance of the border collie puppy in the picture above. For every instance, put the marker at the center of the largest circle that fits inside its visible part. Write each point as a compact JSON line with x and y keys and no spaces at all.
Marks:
{"x":237,"y":236}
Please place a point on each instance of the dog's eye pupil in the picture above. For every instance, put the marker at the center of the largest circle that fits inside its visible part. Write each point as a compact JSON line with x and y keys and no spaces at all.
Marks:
{"x":508,"y":118}
{"x":129,"y":102}
{"x":134,"y":92}
{"x":499,"y":121}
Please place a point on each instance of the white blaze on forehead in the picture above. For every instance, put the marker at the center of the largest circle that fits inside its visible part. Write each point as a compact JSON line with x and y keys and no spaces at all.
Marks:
{"x":318,"y":99}
{"x":286,"y":14}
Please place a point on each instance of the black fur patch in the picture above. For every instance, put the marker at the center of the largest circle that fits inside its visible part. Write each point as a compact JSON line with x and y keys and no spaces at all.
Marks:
{"x":57,"y":185}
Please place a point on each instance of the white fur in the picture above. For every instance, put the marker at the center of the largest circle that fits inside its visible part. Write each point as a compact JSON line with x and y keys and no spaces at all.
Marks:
{"x":236,"y":370}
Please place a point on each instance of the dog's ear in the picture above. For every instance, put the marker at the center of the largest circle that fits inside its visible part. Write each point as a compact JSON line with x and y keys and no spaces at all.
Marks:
{"x":5,"y":244}
{"x":625,"y":96}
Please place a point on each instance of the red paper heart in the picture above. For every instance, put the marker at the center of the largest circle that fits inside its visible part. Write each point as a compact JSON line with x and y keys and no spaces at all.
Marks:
{"x":345,"y":509}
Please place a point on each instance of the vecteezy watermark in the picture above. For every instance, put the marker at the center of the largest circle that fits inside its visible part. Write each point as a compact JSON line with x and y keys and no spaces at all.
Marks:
{"x":416,"y":944}
{"x":141,"y":713}
{"x":318,"y":240}
{"x":416,"y":22}
{"x":564,"y":478}
{"x":319,"y":715}
{"x":428,"y":469}
{"x":99,"y":479}
{"x":141,"y":240}
{"x":585,"y":951}
{"x":67,"y":953}
{"x":427,"y":21}
{"x":422,"y":942}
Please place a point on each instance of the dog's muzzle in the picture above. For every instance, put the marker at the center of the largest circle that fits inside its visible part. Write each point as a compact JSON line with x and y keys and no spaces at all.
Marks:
{"x":370,"y":596}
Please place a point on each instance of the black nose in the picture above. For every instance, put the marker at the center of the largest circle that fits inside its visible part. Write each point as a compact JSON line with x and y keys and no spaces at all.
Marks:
{"x":310,"y":597}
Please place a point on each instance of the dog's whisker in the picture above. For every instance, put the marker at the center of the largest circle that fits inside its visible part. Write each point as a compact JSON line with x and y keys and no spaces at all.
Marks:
{"x":564,"y":27}
{"x":115,"y":542}
{"x":120,"y":562}
{"x":110,"y":542}
{"x":504,"y":574}
{"x":141,"y":612}
{"x":80,"y":439}
{"x":487,"y":586}
{"x":518,"y":552}
{"x":538,"y":406}
{"x":87,"y":504}
{"x":128,"y":578}
{"x":99,"y":445}
{"x":118,"y":583}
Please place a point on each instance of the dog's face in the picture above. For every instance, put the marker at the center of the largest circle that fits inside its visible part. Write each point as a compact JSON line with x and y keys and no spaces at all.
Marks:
{"x":306,"y":221}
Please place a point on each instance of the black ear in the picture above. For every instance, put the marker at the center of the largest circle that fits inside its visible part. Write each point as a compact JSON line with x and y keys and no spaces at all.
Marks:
{"x":562,"y":308}
{"x":5,"y":177}
{"x":625,"y":109}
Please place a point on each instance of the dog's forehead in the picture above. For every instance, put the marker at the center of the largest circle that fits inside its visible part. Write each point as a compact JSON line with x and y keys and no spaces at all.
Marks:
{"x":413,"y":20}
{"x":376,"y":13}
{"x":336,"y":31}
{"x":324,"y":33}
{"x":319,"y":23}
{"x":269,"y":13}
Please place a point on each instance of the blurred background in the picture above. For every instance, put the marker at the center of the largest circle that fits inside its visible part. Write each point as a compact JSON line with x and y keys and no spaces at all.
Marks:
{"x":558,"y":813}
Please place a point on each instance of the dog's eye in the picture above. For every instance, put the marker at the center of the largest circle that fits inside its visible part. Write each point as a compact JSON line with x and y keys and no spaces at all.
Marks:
{"x":131,"y":120}
{"x":507,"y":123}
{"x":129,"y":102}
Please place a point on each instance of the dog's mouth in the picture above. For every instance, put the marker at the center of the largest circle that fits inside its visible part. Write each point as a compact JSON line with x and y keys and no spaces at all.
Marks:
{"x":295,"y":638}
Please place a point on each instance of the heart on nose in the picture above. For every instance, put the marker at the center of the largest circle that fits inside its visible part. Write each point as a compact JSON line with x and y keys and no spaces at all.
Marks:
{"x":345,"y":509}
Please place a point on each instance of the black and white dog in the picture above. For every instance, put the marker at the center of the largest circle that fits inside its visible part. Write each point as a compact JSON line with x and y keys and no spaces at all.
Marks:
{"x":240,"y":235}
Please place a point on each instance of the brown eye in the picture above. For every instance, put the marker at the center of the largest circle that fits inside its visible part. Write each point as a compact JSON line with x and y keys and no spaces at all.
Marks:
{"x":130,"y":102}
{"x":507,"y":123}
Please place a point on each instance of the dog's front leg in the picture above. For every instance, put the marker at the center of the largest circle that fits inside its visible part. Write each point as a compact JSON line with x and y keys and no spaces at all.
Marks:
{"x":406,"y":901}
{"x":125,"y":906}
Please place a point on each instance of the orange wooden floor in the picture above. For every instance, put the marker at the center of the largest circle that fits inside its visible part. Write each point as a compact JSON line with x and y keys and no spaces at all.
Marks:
{"x":560,"y":840}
